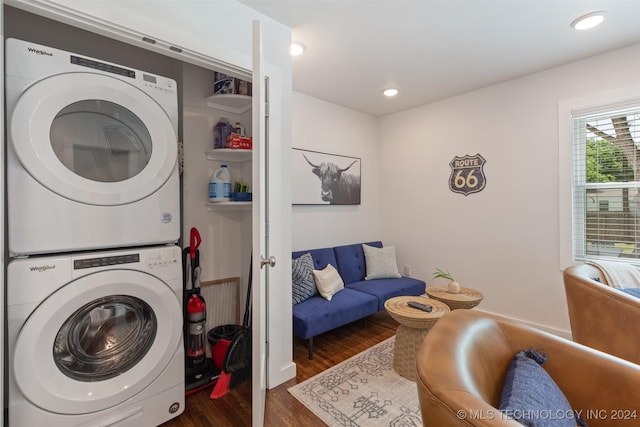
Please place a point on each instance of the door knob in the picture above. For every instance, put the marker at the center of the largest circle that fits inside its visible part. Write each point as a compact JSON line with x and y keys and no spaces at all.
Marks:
{"x":271,"y":262}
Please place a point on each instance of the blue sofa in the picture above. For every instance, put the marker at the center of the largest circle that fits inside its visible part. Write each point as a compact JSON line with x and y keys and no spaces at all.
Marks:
{"x":359,"y":298}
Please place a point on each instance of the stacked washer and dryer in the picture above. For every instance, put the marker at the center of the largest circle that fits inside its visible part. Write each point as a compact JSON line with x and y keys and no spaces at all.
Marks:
{"x":94,"y":283}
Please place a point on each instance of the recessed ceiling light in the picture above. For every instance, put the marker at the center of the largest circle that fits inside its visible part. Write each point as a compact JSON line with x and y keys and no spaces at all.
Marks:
{"x":588,"y":21}
{"x":390,"y":92}
{"x":297,"y":48}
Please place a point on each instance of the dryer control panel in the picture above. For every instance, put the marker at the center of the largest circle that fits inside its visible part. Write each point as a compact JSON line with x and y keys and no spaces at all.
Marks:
{"x":140,"y":77}
{"x":33,"y":62}
{"x":102,"y":66}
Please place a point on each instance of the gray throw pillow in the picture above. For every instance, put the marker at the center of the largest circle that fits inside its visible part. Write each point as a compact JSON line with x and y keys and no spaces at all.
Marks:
{"x":380,"y":262}
{"x":303,"y":285}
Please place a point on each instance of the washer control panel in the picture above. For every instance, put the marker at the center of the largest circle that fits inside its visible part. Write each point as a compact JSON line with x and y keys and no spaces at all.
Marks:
{"x":79,"y":264}
{"x":149,"y":259}
{"x":161,"y":258}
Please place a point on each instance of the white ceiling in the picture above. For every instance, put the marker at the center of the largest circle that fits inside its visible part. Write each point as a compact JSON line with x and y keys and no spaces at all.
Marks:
{"x":432,"y":50}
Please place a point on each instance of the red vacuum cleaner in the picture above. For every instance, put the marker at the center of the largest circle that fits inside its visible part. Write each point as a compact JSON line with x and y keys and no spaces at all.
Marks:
{"x":200,"y":371}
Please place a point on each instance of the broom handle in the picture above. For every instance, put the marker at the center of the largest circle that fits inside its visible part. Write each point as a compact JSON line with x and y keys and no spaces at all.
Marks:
{"x":247,"y":309}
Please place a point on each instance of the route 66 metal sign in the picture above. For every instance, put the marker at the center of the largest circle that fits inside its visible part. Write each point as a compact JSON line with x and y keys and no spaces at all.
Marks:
{"x":467,"y":174}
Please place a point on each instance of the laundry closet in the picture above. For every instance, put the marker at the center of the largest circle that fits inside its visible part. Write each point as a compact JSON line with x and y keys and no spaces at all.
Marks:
{"x":227,"y":229}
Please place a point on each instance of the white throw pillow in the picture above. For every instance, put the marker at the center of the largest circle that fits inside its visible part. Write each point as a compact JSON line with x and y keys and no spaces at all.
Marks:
{"x":380,"y":262}
{"x":328,"y":281}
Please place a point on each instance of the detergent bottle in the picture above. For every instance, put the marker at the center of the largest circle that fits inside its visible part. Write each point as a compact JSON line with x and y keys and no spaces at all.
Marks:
{"x":221,"y":131}
{"x":220,"y":185}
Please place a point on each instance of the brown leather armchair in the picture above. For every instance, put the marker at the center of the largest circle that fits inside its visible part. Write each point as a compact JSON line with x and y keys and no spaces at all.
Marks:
{"x":463,"y":361}
{"x":602,"y":317}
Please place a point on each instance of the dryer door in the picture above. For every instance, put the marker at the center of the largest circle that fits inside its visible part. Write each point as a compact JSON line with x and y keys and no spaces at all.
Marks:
{"x":94,"y":139}
{"x":97,"y":341}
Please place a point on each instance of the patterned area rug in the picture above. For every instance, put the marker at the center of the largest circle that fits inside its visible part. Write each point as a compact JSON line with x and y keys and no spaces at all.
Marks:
{"x":362,"y":391}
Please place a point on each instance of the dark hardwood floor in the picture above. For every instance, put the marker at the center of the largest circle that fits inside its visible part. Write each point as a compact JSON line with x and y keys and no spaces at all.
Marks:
{"x":331,"y":348}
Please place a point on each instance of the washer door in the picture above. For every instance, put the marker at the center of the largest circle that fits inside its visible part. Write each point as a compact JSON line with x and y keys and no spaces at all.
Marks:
{"x":93,"y":139}
{"x":97,"y":342}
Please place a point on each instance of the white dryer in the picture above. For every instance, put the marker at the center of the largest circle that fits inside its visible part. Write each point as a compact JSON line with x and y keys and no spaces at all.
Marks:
{"x":91,"y":153}
{"x":96,"y":339}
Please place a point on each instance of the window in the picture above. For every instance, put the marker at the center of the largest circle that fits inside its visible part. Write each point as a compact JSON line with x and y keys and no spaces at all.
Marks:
{"x":606,"y":183}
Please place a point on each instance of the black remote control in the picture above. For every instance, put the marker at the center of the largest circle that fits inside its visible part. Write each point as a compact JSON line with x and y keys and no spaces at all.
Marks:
{"x":420,"y":306}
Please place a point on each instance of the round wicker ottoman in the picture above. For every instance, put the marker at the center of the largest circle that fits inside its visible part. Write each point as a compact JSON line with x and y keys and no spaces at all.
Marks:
{"x":414,"y":326}
{"x":466,"y":298}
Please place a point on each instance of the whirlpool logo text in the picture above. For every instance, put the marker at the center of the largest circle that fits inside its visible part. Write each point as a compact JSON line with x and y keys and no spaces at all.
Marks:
{"x":39,"y":52}
{"x":42,"y":268}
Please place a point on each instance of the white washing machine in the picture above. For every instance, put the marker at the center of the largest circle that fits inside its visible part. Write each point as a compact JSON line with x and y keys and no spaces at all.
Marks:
{"x":96,"y":339}
{"x":91,"y":154}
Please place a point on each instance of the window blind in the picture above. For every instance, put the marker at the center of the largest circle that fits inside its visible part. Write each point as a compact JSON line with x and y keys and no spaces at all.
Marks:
{"x":606,"y":184}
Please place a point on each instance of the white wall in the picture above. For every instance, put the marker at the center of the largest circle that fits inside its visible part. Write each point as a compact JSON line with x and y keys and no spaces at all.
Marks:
{"x":504,"y":240}
{"x":329,"y":128}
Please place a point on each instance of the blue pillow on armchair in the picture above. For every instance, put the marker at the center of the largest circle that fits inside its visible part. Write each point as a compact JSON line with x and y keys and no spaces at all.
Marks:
{"x":531,"y":397}
{"x":631,"y":291}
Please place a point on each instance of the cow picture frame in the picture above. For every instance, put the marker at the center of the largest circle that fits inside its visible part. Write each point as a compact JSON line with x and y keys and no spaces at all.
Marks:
{"x":325,"y":179}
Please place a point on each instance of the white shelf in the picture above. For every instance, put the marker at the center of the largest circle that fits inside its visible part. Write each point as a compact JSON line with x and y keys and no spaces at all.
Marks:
{"x":229,"y":155}
{"x":229,"y":206}
{"x":237,"y":104}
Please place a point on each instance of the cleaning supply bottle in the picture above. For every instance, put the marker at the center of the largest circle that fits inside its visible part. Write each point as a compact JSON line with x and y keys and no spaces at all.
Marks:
{"x":220,"y":185}
{"x":221,"y":131}
{"x":238,"y":128}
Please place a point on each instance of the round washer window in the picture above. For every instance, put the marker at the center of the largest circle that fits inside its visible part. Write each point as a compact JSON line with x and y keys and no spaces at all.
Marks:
{"x":100,"y":140}
{"x":105,"y":338}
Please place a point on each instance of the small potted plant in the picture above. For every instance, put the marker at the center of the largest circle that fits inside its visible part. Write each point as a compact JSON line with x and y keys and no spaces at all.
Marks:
{"x":453,"y":286}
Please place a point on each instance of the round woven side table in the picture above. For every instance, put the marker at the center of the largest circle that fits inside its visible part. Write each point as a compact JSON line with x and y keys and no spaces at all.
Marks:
{"x":466,"y":298}
{"x":414,"y":326}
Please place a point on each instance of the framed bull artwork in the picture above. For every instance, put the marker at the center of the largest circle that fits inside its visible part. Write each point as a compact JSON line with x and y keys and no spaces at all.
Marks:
{"x":325,"y":179}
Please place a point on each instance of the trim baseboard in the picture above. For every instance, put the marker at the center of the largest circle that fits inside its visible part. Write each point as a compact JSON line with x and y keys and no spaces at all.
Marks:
{"x":286,"y":373}
{"x":559,"y":332}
